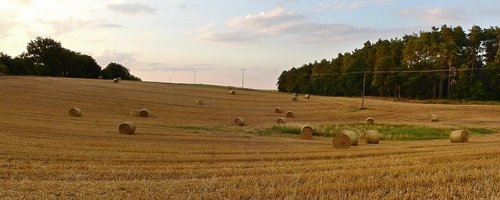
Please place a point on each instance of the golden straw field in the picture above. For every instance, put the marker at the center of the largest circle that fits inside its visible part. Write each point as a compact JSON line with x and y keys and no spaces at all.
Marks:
{"x":186,"y":150}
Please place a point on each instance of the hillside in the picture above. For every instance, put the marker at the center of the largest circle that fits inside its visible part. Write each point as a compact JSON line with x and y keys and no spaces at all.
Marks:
{"x":37,"y":99}
{"x":185,"y":150}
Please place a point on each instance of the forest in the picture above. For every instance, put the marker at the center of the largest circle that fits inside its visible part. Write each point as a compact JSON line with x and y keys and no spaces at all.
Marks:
{"x":444,"y":63}
{"x":47,"y":57}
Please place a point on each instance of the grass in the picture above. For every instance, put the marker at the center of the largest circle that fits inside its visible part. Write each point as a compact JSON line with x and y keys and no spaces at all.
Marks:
{"x":413,"y":133}
{"x":388,"y":132}
{"x":293,"y":130}
{"x":481,"y":131}
{"x":455,"y":101}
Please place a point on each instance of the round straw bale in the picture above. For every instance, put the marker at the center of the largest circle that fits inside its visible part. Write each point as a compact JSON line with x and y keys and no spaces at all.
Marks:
{"x":370,"y":120}
{"x":75,"y":112}
{"x":127,"y":128}
{"x":289,"y":114}
{"x":281,"y":120}
{"x":434,"y":118}
{"x":372,"y":137}
{"x":458,"y":136}
{"x":116,"y":80}
{"x":100,"y":77}
{"x":345,"y":139}
{"x":307,"y":96}
{"x":341,"y":141}
{"x":199,"y":102}
{"x":294,"y":98}
{"x":352,"y":135}
{"x":306,"y":132}
{"x":232,"y":92}
{"x":134,"y":113}
{"x":278,"y":110}
{"x":144,"y":113}
{"x":239,"y":121}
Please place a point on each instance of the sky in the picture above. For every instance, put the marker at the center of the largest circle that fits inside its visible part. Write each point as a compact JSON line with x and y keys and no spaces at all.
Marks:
{"x":211,"y":41}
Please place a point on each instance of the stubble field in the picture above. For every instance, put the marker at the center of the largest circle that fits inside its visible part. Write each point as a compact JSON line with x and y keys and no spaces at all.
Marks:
{"x":189,"y":151}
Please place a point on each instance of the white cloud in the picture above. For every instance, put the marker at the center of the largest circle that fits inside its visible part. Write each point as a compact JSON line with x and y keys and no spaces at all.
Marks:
{"x":67,"y":25}
{"x":342,"y":5}
{"x":107,"y":56}
{"x":280,"y":22}
{"x":179,"y":3}
{"x":230,"y":36}
{"x":6,"y":26}
{"x":268,"y":22}
{"x":131,"y":8}
{"x":352,"y":5}
{"x":21,"y":2}
{"x":318,"y":33}
{"x":109,"y":25}
{"x":178,"y":67}
{"x":52,"y":17}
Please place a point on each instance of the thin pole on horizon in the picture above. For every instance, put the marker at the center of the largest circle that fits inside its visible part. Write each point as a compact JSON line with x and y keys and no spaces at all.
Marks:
{"x":363,"y":93}
{"x":243,"y":78}
{"x":194,"y":77}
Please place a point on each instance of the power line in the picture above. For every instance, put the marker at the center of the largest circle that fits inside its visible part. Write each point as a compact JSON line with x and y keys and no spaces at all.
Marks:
{"x":398,"y":71}
{"x":451,"y":72}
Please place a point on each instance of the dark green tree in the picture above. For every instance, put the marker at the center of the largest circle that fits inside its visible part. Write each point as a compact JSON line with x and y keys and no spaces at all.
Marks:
{"x":49,"y":53}
{"x":5,"y":61}
{"x":59,"y":61}
{"x":116,"y":70}
{"x":456,"y":64}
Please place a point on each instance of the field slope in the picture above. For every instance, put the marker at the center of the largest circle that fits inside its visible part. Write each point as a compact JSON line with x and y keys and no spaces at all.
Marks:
{"x":190,"y":151}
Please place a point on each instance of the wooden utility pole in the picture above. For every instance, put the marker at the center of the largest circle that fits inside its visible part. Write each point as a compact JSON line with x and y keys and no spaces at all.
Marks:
{"x":243,"y":77}
{"x":194,"y":77}
{"x":363,"y":93}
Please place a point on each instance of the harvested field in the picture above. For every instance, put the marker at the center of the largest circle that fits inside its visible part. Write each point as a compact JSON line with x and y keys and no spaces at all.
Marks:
{"x":188,"y":151}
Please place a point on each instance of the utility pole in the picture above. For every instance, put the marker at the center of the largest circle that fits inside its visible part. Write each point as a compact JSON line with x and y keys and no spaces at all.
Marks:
{"x":363,"y":94}
{"x":243,"y":77}
{"x":170,"y":79}
{"x":194,"y":77}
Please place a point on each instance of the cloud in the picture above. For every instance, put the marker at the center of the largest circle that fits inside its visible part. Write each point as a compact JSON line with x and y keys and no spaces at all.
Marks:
{"x":282,"y":23}
{"x":71,"y":24}
{"x":268,"y":23}
{"x":352,"y":5}
{"x":67,"y":25}
{"x":384,"y":1}
{"x":342,"y":5}
{"x":436,"y":15}
{"x":317,"y":32}
{"x":252,"y":27}
{"x":22,"y":2}
{"x":109,"y":25}
{"x":232,"y":36}
{"x":179,"y":3}
{"x":28,"y":18}
{"x":178,"y":67}
{"x":107,"y":56}
{"x":6,"y":26}
{"x":131,"y":8}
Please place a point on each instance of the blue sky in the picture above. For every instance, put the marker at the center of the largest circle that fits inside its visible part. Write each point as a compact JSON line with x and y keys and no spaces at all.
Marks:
{"x":169,"y":39}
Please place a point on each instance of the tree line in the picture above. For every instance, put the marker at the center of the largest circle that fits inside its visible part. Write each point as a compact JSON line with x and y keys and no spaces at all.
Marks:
{"x":445,"y":62}
{"x":47,"y":57}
